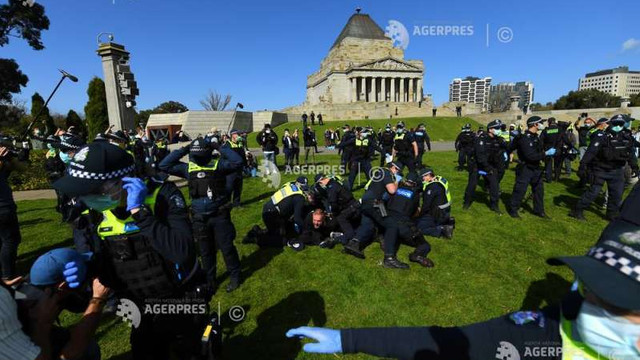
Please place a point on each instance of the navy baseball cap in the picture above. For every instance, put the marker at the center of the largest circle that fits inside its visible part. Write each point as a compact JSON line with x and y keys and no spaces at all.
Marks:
{"x":91,"y":166}
{"x":611,"y":269}
{"x":303,"y":182}
{"x":69,"y":142}
{"x":534,"y":120}
{"x":603,"y":120}
{"x":48,"y":269}
{"x":618,"y":119}
{"x":319,"y":177}
{"x":426,"y":171}
{"x":234,"y":131}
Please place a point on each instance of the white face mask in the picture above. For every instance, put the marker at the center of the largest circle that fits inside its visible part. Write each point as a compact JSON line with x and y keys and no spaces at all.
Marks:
{"x":609,"y":335}
{"x":540,"y":126}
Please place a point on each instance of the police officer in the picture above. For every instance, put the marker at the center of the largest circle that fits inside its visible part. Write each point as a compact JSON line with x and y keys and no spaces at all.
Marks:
{"x":67,"y":146}
{"x":211,"y":211}
{"x":360,"y":162}
{"x":549,"y":138}
{"x":487,"y":161}
{"x":405,"y":148}
{"x":386,"y":139}
{"x":346,"y":145}
{"x":422,"y":138}
{"x":268,"y":140}
{"x":284,"y":216}
{"x":234,"y":180}
{"x":606,"y":157}
{"x":591,"y":132}
{"x":402,"y":207}
{"x":435,"y":214}
{"x":584,"y":132}
{"x":598,"y":321}
{"x":338,"y":202}
{"x":162,"y":148}
{"x":464,"y":144}
{"x":143,"y":244}
{"x":530,"y":153}
{"x":381,"y":186}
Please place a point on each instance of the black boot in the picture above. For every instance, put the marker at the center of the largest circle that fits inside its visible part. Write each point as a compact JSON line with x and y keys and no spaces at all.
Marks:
{"x":391,"y":262}
{"x":577,"y":214}
{"x":252,"y":235}
{"x":422,"y":260}
{"x":447,"y":231}
{"x":234,"y":283}
{"x":353,"y":248}
{"x":496,"y":209}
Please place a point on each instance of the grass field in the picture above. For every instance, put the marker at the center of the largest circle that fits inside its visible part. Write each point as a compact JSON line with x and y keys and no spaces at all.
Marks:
{"x":439,"y":128}
{"x":493,"y":265}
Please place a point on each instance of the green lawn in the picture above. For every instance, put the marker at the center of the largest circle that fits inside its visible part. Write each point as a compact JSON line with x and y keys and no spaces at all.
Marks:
{"x":439,"y":128}
{"x":493,"y":265}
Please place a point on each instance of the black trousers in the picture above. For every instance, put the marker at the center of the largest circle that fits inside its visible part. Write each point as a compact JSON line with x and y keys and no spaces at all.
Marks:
{"x":213,"y":232}
{"x":463,"y":157}
{"x":387,"y":150}
{"x":552,"y":167}
{"x":615,"y":185}
{"x":9,"y":240}
{"x":347,"y":217}
{"x":371,"y":220}
{"x":362,"y":166}
{"x":526,"y":176}
{"x":407,"y":160}
{"x":420,"y":155}
{"x":492,"y":181}
{"x":234,"y":186}
{"x":402,"y":228}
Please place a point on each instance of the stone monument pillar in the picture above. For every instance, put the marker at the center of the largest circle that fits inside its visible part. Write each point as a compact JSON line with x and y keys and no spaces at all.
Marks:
{"x":626,"y":101}
{"x":120,"y":85}
{"x":515,"y":101}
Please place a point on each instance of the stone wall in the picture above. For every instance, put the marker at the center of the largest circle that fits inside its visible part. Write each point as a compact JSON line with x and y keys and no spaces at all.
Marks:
{"x":560,"y":115}
{"x":271,"y":117}
{"x":362,"y":110}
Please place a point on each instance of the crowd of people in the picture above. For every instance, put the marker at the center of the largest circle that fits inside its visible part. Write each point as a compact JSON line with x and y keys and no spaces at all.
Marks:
{"x":136,"y":237}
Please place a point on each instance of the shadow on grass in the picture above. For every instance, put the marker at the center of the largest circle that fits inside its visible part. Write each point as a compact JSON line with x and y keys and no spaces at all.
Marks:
{"x":254,"y":262}
{"x":35,"y":221}
{"x":547,"y":291}
{"x":257,"y":198}
{"x":25,"y":260}
{"x":268,"y":338}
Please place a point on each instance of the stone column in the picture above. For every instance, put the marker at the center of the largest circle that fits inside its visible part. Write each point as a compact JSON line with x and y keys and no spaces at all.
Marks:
{"x":120,"y":87}
{"x":374,"y":89}
{"x":402,"y":95}
{"x":384,"y":88}
{"x":411,"y":91}
{"x":392,"y":95}
{"x":354,"y":89}
{"x":363,"y":89}
{"x":419,"y":90}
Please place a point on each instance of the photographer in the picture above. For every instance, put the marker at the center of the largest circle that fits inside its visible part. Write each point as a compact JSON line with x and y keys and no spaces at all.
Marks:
{"x":10,"y":160}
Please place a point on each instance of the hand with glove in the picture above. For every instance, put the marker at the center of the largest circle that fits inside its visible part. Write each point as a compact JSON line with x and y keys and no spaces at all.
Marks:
{"x":505,"y":156}
{"x":482,"y":172}
{"x":136,"y":192}
{"x":72,"y":274}
{"x":550,"y":152}
{"x":329,"y":341}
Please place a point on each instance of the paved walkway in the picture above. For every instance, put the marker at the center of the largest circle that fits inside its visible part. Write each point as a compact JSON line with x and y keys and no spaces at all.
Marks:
{"x":50,"y":194}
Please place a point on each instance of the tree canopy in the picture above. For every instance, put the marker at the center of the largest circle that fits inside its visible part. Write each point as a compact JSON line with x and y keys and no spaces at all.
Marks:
{"x":97,"y":116}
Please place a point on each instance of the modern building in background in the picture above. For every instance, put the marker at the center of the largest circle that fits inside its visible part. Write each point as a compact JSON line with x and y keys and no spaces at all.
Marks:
{"x":618,"y":82}
{"x":502,"y":92}
{"x":471,"y":90}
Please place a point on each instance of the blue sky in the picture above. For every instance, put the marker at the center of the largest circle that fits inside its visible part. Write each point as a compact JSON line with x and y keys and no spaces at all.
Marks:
{"x":262,"y":51}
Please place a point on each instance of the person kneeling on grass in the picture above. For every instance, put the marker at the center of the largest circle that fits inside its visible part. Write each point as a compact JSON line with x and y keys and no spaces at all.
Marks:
{"x":601,"y":320}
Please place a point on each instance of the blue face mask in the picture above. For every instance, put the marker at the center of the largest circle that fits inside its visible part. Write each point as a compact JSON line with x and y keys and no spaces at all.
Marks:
{"x":497,"y":132}
{"x":617,"y":128}
{"x":609,"y":335}
{"x":99,"y":202}
{"x":65,"y":157}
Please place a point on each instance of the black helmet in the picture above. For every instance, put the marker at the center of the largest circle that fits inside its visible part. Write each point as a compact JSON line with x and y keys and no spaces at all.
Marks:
{"x":400,"y":125}
{"x":466,"y":127}
{"x":618,"y":119}
{"x":412,"y":179}
{"x":495,"y":124}
{"x":534,"y":120}
{"x":200,"y":147}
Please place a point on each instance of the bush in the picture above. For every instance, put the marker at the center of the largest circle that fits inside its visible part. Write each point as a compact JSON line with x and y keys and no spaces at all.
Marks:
{"x":33,"y":177}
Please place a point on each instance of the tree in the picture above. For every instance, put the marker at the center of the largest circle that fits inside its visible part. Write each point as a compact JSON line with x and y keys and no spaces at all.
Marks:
{"x":73,"y":119}
{"x":19,"y":21}
{"x":97,"y":117}
{"x":167,"y":107}
{"x":635,"y":100}
{"x":11,"y":115}
{"x":215,"y":102}
{"x":48,"y":127}
{"x":540,"y":107}
{"x":587,"y":99}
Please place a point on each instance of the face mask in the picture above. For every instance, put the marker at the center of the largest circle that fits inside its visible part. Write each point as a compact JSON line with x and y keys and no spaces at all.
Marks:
{"x":497,"y":132}
{"x":399,"y":131}
{"x":99,"y":202}
{"x":49,"y":146}
{"x":616,"y":128}
{"x":540,"y":126}
{"x":268,"y":131}
{"x":589,"y":125}
{"x":608,"y":335}
{"x":65,"y":157}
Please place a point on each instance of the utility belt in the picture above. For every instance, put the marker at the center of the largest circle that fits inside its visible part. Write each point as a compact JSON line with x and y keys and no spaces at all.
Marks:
{"x":211,"y":208}
{"x":379,"y":204}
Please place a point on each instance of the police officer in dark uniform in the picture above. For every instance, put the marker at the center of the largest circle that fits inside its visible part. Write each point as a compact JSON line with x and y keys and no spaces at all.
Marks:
{"x":381,"y":186}
{"x":402,"y":207}
{"x":386,"y":139}
{"x":338,"y":202}
{"x":67,"y":146}
{"x":486,"y":161}
{"x":422,"y":138}
{"x":360,"y":162}
{"x":162,"y":148}
{"x":405,"y":148}
{"x":528,"y":172}
{"x":465,"y":143}
{"x":211,"y":211}
{"x":606,"y":157}
{"x":346,"y":145}
{"x":597,"y":321}
{"x":234,"y":180}
{"x":283,"y":215}
{"x":142,"y":242}
{"x":589,"y":131}
{"x":435,"y":214}
{"x":549,"y":138}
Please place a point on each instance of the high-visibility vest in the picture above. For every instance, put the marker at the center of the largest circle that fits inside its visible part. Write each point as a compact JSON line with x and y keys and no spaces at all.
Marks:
{"x":445,"y":183}
{"x":573,"y":349}
{"x":505,"y":135}
{"x":234,"y":145}
{"x":205,"y":181}
{"x":289,"y":189}
{"x":111,"y":225}
{"x":591,"y":131}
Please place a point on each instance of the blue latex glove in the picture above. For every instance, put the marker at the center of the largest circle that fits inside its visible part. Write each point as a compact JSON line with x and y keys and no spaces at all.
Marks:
{"x":329,"y":341}
{"x":136,"y":192}
{"x":506,"y":157}
{"x":71,"y":274}
{"x":550,"y":152}
{"x":481,"y":172}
